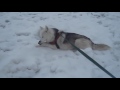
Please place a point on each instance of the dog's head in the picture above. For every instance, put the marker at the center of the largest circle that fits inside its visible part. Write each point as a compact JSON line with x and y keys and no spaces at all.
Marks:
{"x":46,"y":34}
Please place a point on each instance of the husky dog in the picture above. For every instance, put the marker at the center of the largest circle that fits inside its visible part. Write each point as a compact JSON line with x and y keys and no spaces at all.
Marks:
{"x":56,"y":39}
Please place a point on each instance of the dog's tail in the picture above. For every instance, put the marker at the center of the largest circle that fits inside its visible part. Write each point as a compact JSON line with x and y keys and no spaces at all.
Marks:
{"x":100,"y":47}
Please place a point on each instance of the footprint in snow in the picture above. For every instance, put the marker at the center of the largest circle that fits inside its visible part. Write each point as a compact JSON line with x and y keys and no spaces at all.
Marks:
{"x":23,"y":34}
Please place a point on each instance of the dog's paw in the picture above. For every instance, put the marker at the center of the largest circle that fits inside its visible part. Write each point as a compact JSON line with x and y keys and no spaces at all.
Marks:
{"x":37,"y":46}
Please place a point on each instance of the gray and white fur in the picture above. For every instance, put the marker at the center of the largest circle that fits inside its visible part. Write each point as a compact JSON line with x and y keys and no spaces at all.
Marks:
{"x":49,"y":34}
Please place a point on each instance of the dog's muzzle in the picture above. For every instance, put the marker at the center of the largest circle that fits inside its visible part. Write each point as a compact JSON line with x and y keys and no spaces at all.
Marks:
{"x":41,"y":42}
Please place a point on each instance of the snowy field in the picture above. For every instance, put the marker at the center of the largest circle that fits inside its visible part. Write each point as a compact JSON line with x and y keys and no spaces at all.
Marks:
{"x":19,"y":58}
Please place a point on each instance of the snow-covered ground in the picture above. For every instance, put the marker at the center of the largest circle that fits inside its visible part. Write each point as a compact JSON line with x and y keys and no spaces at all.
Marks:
{"x":19,"y":58}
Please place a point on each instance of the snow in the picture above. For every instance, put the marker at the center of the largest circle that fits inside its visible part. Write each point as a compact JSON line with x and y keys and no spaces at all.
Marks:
{"x":20,"y":58}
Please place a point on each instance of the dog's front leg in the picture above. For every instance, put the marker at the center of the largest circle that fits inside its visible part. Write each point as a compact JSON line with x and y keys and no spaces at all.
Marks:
{"x":47,"y":45}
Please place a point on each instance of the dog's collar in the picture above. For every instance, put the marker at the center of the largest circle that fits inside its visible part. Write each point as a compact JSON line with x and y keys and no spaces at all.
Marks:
{"x":54,"y":42}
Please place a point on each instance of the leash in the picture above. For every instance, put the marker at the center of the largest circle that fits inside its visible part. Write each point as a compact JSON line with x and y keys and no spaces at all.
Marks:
{"x":92,"y":60}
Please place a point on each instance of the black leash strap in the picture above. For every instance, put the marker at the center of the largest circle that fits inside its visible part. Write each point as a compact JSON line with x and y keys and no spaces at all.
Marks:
{"x":92,"y":60}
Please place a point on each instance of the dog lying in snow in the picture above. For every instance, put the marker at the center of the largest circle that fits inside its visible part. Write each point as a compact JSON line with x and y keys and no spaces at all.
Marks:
{"x":51,"y":37}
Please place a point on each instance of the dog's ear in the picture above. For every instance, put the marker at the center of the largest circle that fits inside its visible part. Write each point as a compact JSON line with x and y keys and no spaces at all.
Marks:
{"x":46,"y":28}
